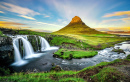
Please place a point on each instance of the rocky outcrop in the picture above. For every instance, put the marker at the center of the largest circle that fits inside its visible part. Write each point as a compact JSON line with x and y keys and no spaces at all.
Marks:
{"x":76,"y":19}
{"x":6,"y":51}
{"x":56,"y":68}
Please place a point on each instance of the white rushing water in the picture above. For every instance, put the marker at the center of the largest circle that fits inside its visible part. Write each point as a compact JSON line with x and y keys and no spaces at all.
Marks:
{"x":27,"y":47}
{"x":28,"y":51}
{"x":125,"y":46}
{"x":18,"y":60}
{"x":44,"y":44}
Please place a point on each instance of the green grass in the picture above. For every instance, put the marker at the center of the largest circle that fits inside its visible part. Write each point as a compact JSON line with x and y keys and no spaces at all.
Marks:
{"x":1,"y":34}
{"x":4,"y":71}
{"x":103,"y":35}
{"x":66,"y":54}
{"x":95,"y":40}
{"x":38,"y":77}
{"x":108,"y":74}
{"x":72,"y":79}
{"x":98,"y":41}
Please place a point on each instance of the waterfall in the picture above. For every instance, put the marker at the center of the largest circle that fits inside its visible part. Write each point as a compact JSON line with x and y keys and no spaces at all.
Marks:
{"x":44,"y":44}
{"x":17,"y":53}
{"x":18,"y":60}
{"x":27,"y":49}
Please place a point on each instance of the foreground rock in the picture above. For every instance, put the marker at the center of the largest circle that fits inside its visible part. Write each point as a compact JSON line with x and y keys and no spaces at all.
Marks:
{"x":56,"y":68}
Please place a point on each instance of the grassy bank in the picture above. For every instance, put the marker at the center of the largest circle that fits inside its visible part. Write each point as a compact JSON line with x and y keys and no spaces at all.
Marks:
{"x":67,"y":54}
{"x":98,"y":41}
{"x":102,"y":72}
{"x":90,"y":41}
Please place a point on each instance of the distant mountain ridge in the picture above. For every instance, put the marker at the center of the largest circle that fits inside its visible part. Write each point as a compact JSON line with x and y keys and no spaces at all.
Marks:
{"x":77,"y":26}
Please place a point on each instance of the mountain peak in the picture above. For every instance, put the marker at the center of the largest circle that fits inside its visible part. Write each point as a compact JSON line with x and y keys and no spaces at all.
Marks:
{"x":77,"y":26}
{"x":76,"y":19}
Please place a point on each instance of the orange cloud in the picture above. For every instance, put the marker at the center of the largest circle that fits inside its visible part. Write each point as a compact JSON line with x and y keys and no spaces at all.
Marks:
{"x":12,"y":25}
{"x":118,"y":14}
{"x":4,"y":23}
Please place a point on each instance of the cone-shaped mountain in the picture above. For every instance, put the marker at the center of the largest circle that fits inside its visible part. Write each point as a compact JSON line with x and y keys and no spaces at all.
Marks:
{"x":77,"y":26}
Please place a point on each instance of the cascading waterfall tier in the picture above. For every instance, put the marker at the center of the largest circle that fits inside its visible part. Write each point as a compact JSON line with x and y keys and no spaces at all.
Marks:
{"x":28,"y":52}
{"x":18,"y":60}
{"x":44,"y":44}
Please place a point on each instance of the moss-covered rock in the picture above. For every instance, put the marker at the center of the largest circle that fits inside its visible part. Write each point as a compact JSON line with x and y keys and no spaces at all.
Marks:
{"x":56,"y":68}
{"x":118,"y":50}
{"x":128,"y":57}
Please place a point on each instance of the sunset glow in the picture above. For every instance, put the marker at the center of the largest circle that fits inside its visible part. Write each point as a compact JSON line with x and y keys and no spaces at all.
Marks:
{"x":52,"y":15}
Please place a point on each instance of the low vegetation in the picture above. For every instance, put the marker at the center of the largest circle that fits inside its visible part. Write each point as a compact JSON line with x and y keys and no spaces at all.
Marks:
{"x":67,"y":54}
{"x":102,"y":72}
{"x":108,"y":74}
{"x":1,"y":34}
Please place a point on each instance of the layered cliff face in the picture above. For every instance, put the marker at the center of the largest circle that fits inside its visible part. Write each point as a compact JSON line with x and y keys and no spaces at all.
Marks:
{"x":77,"y":26}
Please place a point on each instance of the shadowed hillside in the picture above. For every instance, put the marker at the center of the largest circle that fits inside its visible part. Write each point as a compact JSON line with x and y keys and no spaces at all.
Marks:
{"x":77,"y":26}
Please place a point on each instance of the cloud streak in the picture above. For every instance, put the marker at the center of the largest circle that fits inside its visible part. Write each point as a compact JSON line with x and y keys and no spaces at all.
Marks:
{"x":22,"y":11}
{"x":39,"y":23}
{"x":47,"y":16}
{"x":27,"y":17}
{"x":121,"y":13}
{"x":125,"y":19}
{"x":18,"y":9}
{"x":110,"y":20}
{"x":1,"y":12}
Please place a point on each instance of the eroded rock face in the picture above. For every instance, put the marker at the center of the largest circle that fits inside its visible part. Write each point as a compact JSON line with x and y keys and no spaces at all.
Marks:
{"x":76,"y":19}
{"x":6,"y":51}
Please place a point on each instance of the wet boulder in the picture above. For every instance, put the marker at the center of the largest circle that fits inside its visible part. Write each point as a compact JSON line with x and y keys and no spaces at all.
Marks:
{"x":56,"y":68}
{"x":118,"y":51}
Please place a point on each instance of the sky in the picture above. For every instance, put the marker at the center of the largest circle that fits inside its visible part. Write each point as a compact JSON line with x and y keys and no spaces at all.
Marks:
{"x":52,"y":15}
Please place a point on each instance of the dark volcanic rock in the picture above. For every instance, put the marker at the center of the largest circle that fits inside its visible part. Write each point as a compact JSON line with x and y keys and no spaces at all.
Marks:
{"x":6,"y":51}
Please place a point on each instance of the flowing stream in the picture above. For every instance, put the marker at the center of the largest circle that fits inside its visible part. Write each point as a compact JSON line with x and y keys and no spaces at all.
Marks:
{"x":44,"y":60}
